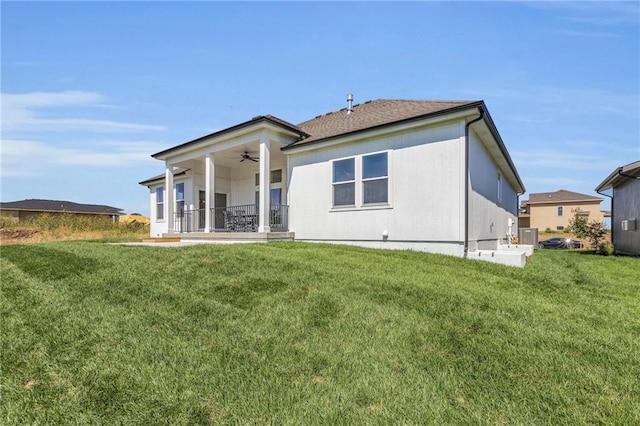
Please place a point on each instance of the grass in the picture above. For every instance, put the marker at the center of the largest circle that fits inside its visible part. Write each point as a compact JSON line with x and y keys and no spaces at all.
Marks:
{"x":293,"y":333}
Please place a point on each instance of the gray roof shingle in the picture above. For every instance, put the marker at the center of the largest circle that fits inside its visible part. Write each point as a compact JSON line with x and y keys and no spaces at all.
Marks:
{"x":560,"y":196}
{"x":59,"y":206}
{"x":369,"y":115}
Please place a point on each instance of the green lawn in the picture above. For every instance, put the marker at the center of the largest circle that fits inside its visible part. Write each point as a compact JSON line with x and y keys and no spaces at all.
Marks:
{"x":292,"y":333}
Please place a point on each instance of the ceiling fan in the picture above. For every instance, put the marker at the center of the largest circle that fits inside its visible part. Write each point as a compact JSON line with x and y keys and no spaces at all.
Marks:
{"x":245,"y":156}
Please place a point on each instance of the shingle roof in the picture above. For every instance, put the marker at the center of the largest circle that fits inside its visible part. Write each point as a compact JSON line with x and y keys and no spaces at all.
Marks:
{"x":369,"y":115}
{"x":619,"y":175}
{"x":176,"y":172}
{"x":254,"y":121}
{"x":560,"y":196}
{"x":59,"y":206}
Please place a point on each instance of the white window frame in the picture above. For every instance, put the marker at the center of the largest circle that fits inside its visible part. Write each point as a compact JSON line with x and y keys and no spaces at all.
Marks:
{"x":183,"y":199}
{"x":359,"y":183}
{"x":159,"y":205}
{"x":335,"y":183}
{"x":372,"y":179}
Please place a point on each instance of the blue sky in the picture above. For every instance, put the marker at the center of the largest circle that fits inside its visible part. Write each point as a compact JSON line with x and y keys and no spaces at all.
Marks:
{"x":91,"y":89}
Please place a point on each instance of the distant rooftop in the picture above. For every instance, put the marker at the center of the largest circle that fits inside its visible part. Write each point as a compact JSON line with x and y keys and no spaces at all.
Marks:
{"x":59,"y":206}
{"x":560,"y":196}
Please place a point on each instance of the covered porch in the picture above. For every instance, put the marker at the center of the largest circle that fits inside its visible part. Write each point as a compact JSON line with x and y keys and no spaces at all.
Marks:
{"x":242,"y":218}
{"x":232,"y":181}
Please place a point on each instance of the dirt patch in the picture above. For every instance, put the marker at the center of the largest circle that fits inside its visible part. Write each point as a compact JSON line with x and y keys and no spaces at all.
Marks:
{"x":17,"y":235}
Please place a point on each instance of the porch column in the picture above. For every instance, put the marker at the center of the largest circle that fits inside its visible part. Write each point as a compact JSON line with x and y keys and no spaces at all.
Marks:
{"x":209,"y":189}
{"x":168,"y":196}
{"x":265,"y":175}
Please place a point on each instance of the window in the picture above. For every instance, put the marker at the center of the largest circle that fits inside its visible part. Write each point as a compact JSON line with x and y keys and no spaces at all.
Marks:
{"x":361,"y":181}
{"x":179,"y":197}
{"x":275,"y":196}
{"x":275,"y":176}
{"x":344,"y":185}
{"x":375,"y":179}
{"x":560,"y":211}
{"x":499,"y":193}
{"x":160,"y":203}
{"x":560,"y":228}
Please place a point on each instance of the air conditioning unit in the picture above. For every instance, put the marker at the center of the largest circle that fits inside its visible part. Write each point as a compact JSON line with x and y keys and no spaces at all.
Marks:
{"x":630,"y":225}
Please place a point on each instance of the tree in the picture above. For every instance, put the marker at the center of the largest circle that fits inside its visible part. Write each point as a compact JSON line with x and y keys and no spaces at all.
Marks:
{"x":595,"y":232}
{"x":578,"y":224}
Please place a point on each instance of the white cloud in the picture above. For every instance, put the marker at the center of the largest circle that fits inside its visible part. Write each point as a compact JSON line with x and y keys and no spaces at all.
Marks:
{"x":590,"y":34}
{"x":23,"y":158}
{"x":562,"y":161}
{"x":559,"y":100}
{"x":22,"y":112}
{"x":602,"y":13}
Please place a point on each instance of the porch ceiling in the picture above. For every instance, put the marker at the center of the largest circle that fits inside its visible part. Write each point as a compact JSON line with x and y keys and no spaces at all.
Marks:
{"x":231,"y":157}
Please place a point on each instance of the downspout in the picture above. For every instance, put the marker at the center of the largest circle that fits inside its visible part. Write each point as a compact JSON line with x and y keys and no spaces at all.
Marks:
{"x":466,"y":180}
{"x":611,"y":198}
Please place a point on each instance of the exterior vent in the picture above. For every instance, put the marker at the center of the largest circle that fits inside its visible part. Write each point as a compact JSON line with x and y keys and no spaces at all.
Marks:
{"x":349,"y":103}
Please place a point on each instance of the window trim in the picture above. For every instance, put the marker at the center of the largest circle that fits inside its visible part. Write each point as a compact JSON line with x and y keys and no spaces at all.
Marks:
{"x":359,"y":181}
{"x":178,"y":200}
{"x":375,"y":178}
{"x":351,"y":182}
{"x":560,"y":211}
{"x":160,"y":205}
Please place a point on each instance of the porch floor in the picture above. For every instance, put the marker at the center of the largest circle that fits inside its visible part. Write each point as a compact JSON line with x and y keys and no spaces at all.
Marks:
{"x":231,"y":236}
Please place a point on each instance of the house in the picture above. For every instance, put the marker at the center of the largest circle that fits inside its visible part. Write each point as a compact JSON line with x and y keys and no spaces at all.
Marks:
{"x":422,"y":175}
{"x":624,"y":182}
{"x":554,"y":210}
{"x":31,"y":209}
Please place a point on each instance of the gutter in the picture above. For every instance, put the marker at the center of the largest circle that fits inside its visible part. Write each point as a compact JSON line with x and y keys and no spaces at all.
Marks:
{"x":466,"y":180}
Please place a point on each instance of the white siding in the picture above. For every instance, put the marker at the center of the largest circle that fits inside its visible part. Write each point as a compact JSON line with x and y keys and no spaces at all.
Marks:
{"x":157,"y":228}
{"x":425,"y":191}
{"x":488,"y":216}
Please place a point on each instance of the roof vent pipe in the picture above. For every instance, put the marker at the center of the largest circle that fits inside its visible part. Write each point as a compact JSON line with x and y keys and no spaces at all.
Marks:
{"x":349,"y":103}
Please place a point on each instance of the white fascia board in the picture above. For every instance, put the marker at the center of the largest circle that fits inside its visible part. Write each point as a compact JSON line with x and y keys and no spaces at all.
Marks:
{"x":384,"y":130}
{"x":229,"y":140}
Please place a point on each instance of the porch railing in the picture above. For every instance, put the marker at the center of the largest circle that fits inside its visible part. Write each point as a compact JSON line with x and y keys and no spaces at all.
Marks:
{"x":244,"y":218}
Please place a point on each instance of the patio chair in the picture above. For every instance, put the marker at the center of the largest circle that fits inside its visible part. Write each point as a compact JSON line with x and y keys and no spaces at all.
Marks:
{"x":230,"y":221}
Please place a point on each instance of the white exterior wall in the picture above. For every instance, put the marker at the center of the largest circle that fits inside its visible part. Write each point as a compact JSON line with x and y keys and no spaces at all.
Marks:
{"x":426,"y":188}
{"x":159,"y":227}
{"x":488,"y":216}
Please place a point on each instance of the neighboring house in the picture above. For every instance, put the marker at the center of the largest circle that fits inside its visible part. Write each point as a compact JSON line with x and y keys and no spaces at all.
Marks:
{"x":423,"y":175}
{"x":625,"y":207}
{"x":31,"y":209}
{"x":554,"y":210}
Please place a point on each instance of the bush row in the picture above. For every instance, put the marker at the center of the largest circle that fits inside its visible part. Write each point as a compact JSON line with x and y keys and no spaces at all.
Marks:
{"x":73,"y":223}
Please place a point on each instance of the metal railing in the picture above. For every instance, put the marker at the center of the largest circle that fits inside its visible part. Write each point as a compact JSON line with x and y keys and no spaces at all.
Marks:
{"x":244,"y":218}
{"x":188,"y":220}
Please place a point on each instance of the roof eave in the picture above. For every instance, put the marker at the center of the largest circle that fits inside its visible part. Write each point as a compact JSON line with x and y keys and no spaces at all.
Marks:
{"x":302,"y":143}
{"x":263,"y":119}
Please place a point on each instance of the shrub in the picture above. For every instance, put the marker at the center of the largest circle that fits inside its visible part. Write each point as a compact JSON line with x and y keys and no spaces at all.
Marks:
{"x":595,"y":232}
{"x":606,"y":249}
{"x":8,"y":222}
